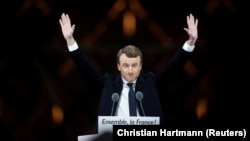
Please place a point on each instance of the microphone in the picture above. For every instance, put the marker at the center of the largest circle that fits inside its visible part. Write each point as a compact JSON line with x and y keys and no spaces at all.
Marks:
{"x":139,"y":96}
{"x":115,"y":98}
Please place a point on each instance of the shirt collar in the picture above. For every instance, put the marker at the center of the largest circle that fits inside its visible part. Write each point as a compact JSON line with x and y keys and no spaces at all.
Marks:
{"x":125,"y":81}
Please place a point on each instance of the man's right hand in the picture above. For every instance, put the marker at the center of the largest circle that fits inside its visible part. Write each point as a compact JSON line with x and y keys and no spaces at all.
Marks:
{"x":67,"y":28}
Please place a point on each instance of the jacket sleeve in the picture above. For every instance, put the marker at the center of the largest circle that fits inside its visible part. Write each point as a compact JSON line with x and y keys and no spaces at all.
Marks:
{"x":171,"y":70}
{"x":89,"y":73}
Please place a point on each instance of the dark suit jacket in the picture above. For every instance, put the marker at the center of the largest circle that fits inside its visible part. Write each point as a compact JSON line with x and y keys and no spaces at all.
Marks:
{"x":147,"y":83}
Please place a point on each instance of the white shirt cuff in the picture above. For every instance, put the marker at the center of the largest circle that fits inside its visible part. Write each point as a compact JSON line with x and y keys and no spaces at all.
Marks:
{"x":188,"y":48}
{"x":73,"y":47}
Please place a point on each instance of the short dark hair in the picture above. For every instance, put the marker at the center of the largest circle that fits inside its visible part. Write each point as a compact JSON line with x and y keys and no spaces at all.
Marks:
{"x":130,"y":51}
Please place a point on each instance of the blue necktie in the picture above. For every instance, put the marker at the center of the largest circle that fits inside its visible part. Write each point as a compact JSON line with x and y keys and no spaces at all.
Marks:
{"x":132,"y":102}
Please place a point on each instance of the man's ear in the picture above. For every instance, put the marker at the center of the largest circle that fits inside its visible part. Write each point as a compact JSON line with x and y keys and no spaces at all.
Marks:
{"x":118,"y":66}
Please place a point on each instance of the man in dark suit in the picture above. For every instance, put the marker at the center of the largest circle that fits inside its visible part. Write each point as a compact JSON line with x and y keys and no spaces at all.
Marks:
{"x":129,"y":63}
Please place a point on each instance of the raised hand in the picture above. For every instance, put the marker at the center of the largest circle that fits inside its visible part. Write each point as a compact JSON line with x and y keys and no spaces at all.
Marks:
{"x":66,"y":27}
{"x":192,"y":30}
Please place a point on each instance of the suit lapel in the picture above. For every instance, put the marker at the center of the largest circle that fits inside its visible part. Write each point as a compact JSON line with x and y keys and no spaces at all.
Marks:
{"x":118,"y":85}
{"x":139,"y":84}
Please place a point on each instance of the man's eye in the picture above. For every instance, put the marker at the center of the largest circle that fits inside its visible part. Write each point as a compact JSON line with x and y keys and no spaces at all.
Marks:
{"x":134,"y":66}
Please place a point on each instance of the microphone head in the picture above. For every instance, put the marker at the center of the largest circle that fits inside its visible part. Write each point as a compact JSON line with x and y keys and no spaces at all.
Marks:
{"x":115,"y":97}
{"x":139,"y":95}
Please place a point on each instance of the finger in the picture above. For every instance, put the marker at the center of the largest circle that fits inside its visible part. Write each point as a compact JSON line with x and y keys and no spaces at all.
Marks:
{"x":189,"y":19}
{"x":196,"y":22}
{"x":64,"y":18}
{"x":60,"y":21}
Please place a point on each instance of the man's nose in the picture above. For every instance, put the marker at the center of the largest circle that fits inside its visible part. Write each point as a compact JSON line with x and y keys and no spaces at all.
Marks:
{"x":130,"y":69}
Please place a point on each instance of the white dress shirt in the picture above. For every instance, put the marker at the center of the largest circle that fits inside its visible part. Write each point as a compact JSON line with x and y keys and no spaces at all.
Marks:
{"x":123,"y":104}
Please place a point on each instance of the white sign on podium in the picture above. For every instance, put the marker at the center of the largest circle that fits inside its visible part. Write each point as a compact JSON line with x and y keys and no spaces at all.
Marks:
{"x":105,"y":124}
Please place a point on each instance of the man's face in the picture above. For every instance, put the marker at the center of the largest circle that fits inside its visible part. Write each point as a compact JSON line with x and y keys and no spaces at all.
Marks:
{"x":130,"y":68}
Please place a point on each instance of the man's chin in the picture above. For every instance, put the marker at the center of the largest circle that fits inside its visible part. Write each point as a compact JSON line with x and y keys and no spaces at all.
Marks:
{"x":131,"y":80}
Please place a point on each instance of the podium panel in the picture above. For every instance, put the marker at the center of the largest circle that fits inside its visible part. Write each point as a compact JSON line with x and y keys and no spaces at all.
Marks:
{"x":105,"y":125}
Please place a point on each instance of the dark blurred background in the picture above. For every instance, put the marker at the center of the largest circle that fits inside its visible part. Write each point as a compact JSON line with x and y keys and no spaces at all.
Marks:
{"x":43,"y":96}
